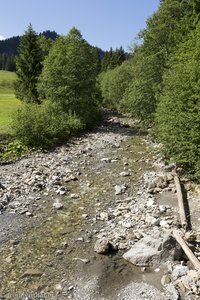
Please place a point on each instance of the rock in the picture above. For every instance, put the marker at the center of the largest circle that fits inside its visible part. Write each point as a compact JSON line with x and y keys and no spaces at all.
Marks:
{"x":194,"y":274}
{"x":61,"y":191}
{"x":9,"y":259}
{"x":151,"y":250}
{"x":84,"y":260}
{"x":128,"y":224}
{"x":32,"y":273}
{"x":106,"y":159}
{"x":150,"y":220}
{"x":166,"y":279}
{"x":170,"y":177}
{"x":179,"y":271}
{"x":104,"y":216}
{"x":120,"y":189}
{"x":150,"y":202}
{"x":190,"y":236}
{"x":2,"y":186}
{"x":157,"y":190}
{"x":29,"y":214}
{"x":57,"y":204}
{"x":173,"y":291}
{"x":84,"y":216}
{"x":162,"y":208}
{"x":80,"y":239}
{"x":71,"y":178}
{"x":144,"y":253}
{"x":161,"y":182}
{"x":170,"y":167}
{"x":188,"y":282}
{"x":164,"y":223}
{"x":103,"y":246}
{"x":59,"y":252}
{"x":74,"y":196}
{"x":125,"y":174}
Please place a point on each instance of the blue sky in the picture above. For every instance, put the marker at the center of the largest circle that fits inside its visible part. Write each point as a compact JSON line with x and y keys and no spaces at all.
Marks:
{"x":105,"y":23}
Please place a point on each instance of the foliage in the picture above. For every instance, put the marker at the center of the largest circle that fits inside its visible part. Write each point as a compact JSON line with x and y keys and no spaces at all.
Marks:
{"x":7,"y":62}
{"x":29,"y":67}
{"x":9,"y":49}
{"x":113,"y":84}
{"x":141,"y":95}
{"x":165,"y":29}
{"x":178,"y":114}
{"x":113,"y":58}
{"x":44,"y":125}
{"x":69,"y":77}
{"x":14,"y":150}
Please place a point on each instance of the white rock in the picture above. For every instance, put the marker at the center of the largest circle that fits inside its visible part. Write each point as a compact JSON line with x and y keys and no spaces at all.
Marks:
{"x":128,"y":225}
{"x":179,"y":271}
{"x":164,"y":223}
{"x":124,"y":174}
{"x":150,"y":202}
{"x":106,"y":159}
{"x":104,"y":216}
{"x":120,"y":189}
{"x":57,"y":204}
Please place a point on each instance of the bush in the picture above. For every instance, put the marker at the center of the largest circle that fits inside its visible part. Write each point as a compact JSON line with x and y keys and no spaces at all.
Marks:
{"x":44,"y":125}
{"x":12,"y":150}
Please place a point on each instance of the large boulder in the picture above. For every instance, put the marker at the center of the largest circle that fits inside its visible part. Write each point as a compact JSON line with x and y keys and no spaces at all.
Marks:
{"x":152,"y":250}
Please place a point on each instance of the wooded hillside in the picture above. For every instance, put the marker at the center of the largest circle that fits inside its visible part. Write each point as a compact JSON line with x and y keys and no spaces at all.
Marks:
{"x":160,"y":84}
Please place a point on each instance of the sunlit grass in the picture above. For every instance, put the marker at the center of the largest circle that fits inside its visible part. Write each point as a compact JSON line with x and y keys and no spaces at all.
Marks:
{"x":8,"y":101}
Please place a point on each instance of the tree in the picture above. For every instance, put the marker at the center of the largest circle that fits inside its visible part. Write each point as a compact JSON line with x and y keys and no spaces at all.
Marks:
{"x":178,"y":113}
{"x":113,"y":58}
{"x":166,"y":28}
{"x":114,"y":83}
{"x":29,"y":67}
{"x":69,"y":76}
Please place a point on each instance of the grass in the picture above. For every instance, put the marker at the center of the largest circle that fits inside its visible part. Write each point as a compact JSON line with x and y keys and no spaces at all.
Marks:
{"x":8,"y":101}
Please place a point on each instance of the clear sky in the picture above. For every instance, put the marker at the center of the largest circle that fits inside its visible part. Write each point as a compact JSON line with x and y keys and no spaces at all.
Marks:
{"x":103,"y":23}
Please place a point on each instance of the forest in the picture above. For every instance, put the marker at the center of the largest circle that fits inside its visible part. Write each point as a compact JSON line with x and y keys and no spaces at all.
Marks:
{"x":65,"y":82}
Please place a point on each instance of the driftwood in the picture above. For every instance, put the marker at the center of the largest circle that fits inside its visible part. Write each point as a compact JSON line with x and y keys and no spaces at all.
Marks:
{"x":183,"y":218}
{"x":186,"y":249}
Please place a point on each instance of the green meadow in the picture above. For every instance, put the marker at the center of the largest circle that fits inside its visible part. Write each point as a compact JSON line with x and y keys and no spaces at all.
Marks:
{"x":8,"y":101}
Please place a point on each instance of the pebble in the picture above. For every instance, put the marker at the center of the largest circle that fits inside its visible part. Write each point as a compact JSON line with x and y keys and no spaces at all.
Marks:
{"x":124,"y":174}
{"x":57,"y":204}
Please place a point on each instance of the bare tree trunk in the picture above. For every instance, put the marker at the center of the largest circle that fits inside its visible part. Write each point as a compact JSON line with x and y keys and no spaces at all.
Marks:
{"x":183,"y":218}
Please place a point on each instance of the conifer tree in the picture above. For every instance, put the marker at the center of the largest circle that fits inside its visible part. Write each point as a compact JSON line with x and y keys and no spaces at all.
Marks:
{"x":29,"y":67}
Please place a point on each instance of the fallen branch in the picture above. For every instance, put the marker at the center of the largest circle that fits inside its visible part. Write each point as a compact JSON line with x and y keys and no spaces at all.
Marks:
{"x":186,"y":249}
{"x":183,"y":218}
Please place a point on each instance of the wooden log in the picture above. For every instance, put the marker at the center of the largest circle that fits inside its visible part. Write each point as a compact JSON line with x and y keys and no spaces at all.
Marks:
{"x":183,"y":218}
{"x":186,"y":249}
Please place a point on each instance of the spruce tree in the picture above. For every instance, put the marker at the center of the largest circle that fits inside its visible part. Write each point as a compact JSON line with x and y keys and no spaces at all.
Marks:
{"x":29,"y":67}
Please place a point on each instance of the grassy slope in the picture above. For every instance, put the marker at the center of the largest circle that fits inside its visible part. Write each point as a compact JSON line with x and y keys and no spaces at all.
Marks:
{"x":8,"y":102}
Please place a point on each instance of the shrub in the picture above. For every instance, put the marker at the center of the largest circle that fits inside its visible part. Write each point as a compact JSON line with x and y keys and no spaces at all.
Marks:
{"x":44,"y":125}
